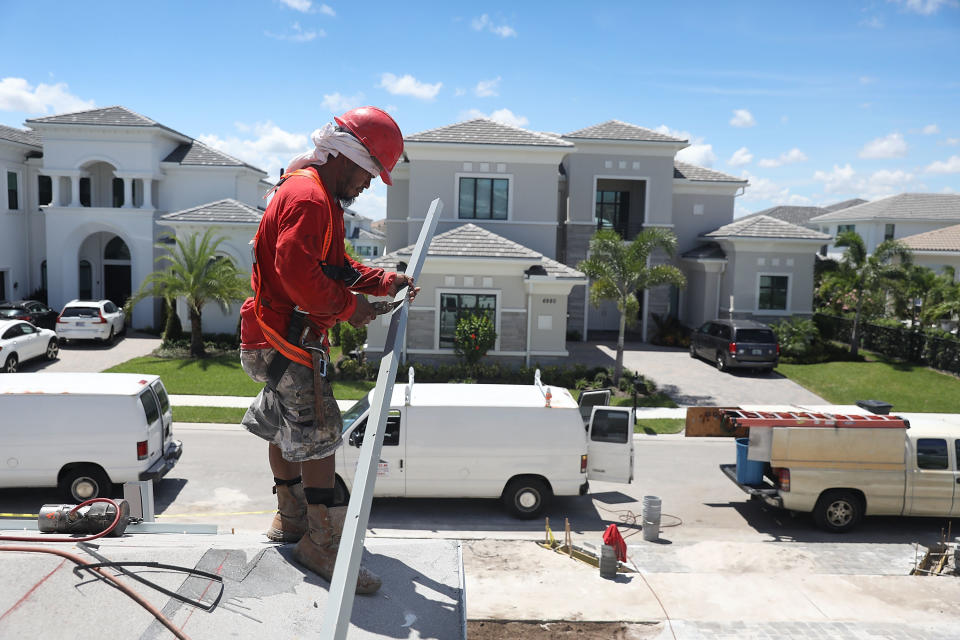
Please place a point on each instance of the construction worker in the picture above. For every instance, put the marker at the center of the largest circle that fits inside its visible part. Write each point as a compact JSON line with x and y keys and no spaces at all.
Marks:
{"x":303,"y":284}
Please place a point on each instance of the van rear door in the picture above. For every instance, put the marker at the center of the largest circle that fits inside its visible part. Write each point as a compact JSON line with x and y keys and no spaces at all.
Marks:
{"x":154,"y":434}
{"x":590,"y":399}
{"x":610,"y":444}
{"x":166,"y":413}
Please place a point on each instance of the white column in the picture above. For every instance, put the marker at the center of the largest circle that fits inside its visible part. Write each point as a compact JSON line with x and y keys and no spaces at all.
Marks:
{"x":127,"y":192}
{"x":55,"y":186}
{"x":74,"y":191}
{"x":147,"y":194}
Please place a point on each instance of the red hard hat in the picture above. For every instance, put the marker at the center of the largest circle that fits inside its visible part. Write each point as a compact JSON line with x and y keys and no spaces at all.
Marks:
{"x":379,"y":134}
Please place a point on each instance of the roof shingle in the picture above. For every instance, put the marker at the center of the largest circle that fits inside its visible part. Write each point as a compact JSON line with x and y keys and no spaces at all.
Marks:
{"x":116,"y":116}
{"x":904,"y":206}
{"x":946,"y":239}
{"x":485,"y":131}
{"x":684,"y":171}
{"x":22,"y":136}
{"x":766,"y":227}
{"x":197,"y":153}
{"x":226,"y":211}
{"x":617,"y":130}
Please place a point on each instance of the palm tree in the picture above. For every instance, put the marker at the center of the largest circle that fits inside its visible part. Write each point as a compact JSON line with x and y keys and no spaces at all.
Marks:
{"x":619,"y":269}
{"x":195,"y":272}
{"x":920,"y":285}
{"x":945,"y":301}
{"x":862,"y":274}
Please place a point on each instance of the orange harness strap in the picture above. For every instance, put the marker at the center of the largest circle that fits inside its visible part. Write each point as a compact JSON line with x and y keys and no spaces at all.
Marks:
{"x":290,"y":351}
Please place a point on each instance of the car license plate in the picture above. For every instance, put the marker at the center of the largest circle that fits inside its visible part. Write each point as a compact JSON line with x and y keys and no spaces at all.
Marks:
{"x":758,"y":352}
{"x":79,"y":324}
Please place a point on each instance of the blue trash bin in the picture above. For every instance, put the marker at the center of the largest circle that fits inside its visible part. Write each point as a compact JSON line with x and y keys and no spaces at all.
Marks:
{"x":748,"y":471}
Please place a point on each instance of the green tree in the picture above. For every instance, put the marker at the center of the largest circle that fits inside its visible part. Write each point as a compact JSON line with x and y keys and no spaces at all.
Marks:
{"x":944,"y":302}
{"x":193,"y":270}
{"x":474,"y":336}
{"x":861,"y":274}
{"x":919,"y":285}
{"x":620,"y":269}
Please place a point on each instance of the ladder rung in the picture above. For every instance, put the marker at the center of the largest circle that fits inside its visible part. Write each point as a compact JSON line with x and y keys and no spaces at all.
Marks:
{"x":734,"y":418}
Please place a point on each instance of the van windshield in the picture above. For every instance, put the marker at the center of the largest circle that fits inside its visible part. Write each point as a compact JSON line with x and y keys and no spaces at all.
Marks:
{"x":755,"y":335}
{"x":358,"y":409}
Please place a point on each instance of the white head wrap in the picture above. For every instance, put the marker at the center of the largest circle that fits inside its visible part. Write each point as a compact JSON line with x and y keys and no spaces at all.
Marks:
{"x":330,"y":142}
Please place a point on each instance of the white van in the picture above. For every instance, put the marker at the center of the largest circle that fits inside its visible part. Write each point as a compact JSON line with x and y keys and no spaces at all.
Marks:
{"x":490,"y":441}
{"x":82,"y":432}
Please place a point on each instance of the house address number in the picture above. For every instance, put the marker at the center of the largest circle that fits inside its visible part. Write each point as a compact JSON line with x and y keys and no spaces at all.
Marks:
{"x":549,"y":301}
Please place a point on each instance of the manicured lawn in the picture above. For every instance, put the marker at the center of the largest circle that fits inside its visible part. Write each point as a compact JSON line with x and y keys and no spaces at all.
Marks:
{"x":221,"y":415}
{"x":217,"y":376}
{"x":659,"y":425}
{"x":907,"y":387}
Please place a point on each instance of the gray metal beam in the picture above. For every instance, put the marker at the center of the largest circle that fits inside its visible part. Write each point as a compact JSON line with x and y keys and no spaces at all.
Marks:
{"x":336,"y":618}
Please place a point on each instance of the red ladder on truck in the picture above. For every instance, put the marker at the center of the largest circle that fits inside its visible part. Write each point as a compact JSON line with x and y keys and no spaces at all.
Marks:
{"x":733,"y":418}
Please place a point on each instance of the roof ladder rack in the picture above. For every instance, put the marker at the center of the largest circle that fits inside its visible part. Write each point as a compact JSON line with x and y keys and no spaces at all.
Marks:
{"x":733,"y":418}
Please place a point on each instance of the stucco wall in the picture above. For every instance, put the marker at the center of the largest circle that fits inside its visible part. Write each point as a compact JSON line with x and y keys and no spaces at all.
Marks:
{"x":743,"y":277}
{"x":688,"y":226}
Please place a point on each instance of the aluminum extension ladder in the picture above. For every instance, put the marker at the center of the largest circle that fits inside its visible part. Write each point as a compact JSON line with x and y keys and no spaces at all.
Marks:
{"x":733,"y":418}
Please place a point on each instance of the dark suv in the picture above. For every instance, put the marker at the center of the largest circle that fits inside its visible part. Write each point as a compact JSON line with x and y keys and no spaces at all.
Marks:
{"x":32,"y":311}
{"x":736,"y":344}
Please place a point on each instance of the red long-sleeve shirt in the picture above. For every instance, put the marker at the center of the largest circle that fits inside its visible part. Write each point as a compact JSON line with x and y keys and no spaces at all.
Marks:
{"x":289,"y":249}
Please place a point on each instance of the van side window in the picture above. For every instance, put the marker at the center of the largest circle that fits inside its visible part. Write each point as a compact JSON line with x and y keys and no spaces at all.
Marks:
{"x":610,"y":426}
{"x":150,"y":407}
{"x":162,"y":395}
{"x":932,"y":453}
{"x":391,"y":437}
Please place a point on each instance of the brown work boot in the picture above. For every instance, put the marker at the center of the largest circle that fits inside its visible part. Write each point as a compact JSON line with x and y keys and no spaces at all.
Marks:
{"x":290,"y":522}
{"x":317,"y":550}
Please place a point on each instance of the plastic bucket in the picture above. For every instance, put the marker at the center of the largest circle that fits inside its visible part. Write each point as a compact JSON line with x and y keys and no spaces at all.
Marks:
{"x":748,"y":471}
{"x":651,"y":518}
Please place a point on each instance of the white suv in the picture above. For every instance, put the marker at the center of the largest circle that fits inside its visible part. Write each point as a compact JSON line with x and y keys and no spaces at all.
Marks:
{"x":90,"y":320}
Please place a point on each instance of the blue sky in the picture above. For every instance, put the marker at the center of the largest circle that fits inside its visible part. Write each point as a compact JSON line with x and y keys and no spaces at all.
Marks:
{"x":813,"y":102}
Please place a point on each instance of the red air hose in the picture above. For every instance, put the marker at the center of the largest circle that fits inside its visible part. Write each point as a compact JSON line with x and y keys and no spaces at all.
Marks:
{"x":113,"y":524}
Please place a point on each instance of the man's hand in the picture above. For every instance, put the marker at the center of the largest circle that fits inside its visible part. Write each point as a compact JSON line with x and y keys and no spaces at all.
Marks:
{"x":364,"y":312}
{"x":403,"y":280}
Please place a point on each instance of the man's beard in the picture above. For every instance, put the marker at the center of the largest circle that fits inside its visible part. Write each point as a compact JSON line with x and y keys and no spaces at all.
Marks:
{"x":345,"y":202}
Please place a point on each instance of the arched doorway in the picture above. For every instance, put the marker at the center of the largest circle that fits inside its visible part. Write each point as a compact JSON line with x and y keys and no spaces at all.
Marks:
{"x":116,"y":271}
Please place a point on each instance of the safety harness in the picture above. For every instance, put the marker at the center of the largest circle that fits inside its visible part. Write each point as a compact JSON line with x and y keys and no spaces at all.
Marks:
{"x":293,"y":348}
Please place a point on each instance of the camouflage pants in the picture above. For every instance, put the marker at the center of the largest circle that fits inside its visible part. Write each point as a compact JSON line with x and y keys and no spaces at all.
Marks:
{"x":285,"y":415}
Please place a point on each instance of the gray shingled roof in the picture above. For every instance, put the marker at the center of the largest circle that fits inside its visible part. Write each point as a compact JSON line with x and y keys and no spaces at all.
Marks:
{"x":485,"y":131}
{"x":227,"y":211}
{"x":199,"y":154}
{"x":793,"y":215}
{"x":766,"y":227}
{"x":617,"y":130}
{"x":22,"y":136}
{"x":684,"y":171}
{"x":946,"y":239}
{"x":115,"y":116}
{"x":846,"y":204}
{"x":471,"y":241}
{"x":904,"y":206}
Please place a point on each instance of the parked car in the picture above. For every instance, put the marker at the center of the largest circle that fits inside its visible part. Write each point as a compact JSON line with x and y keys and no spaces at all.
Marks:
{"x":737,"y":344}
{"x":32,"y":311}
{"x":21,"y":341}
{"x":90,"y":320}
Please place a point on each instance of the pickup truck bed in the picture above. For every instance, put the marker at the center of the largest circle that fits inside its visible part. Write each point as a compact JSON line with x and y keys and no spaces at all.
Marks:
{"x":763,"y":491}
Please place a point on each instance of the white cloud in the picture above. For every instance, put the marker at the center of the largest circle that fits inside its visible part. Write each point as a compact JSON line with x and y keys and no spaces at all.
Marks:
{"x":338,"y":103}
{"x":459,"y":92}
{"x":407,"y":85}
{"x":485,"y":23}
{"x":867,"y":80}
{"x":742,"y":119}
{"x":878,"y":184}
{"x":874,"y":23}
{"x":297,"y":34}
{"x":952,"y":141}
{"x":699,"y":154}
{"x":269,"y":147}
{"x":925,"y":7}
{"x":676,"y":133}
{"x":951,"y":165}
{"x":890,"y":146}
{"x":740,"y":157}
{"x":487,"y":88}
{"x":327,"y":10}
{"x":504,"y":116}
{"x":789,"y":157}
{"x":16,"y":94}
{"x":302,"y":6}
{"x":784,"y":119}
{"x":372,"y":203}
{"x":764,"y":189}
{"x":930,"y":130}
{"x":797,"y":200}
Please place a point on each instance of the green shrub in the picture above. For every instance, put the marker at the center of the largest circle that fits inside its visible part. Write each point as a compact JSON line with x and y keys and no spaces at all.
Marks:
{"x":670,"y":332}
{"x":333,"y":334}
{"x":800,"y":341}
{"x":474,"y":336}
{"x":351,"y":338}
{"x":349,"y":368}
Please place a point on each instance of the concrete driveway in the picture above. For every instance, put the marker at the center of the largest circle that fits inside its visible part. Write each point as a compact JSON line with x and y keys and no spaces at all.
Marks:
{"x":694,"y":382}
{"x":90,"y":356}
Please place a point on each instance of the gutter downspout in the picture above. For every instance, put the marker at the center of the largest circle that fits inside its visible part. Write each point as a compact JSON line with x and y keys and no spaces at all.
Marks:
{"x":529,"y":288}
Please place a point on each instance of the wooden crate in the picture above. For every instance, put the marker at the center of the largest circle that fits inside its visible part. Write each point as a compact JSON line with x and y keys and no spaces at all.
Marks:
{"x":705,"y":421}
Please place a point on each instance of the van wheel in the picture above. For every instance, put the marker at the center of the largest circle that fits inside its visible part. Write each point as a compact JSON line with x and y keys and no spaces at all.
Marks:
{"x":693,"y":351}
{"x":838,"y":511}
{"x":722,"y":361}
{"x":84,"y":482}
{"x":53,"y":350}
{"x":109,"y":338}
{"x":526,"y":498}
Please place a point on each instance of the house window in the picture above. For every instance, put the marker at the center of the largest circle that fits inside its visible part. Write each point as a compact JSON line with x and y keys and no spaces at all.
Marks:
{"x":84,"y":192}
{"x":484,"y":198}
{"x":888,"y":231}
{"x":44,"y":190}
{"x":117,"y":192}
{"x":454,"y":306}
{"x":13,"y":191}
{"x":612,"y":210}
{"x":43,"y":275}
{"x":845,"y":227}
{"x":773,"y":293}
{"x":365,"y":251}
{"x":85,"y":280}
{"x":116,"y":249}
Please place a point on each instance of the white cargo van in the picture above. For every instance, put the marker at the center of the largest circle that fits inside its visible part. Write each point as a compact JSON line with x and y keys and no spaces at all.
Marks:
{"x":841,"y":473}
{"x":82,"y":432}
{"x":490,"y":441}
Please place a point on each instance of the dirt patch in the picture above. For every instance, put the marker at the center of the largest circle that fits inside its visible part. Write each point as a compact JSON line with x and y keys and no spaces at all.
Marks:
{"x":500,"y":630}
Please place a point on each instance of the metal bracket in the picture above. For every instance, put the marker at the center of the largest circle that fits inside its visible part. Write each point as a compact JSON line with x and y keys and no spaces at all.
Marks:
{"x":336,"y":618}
